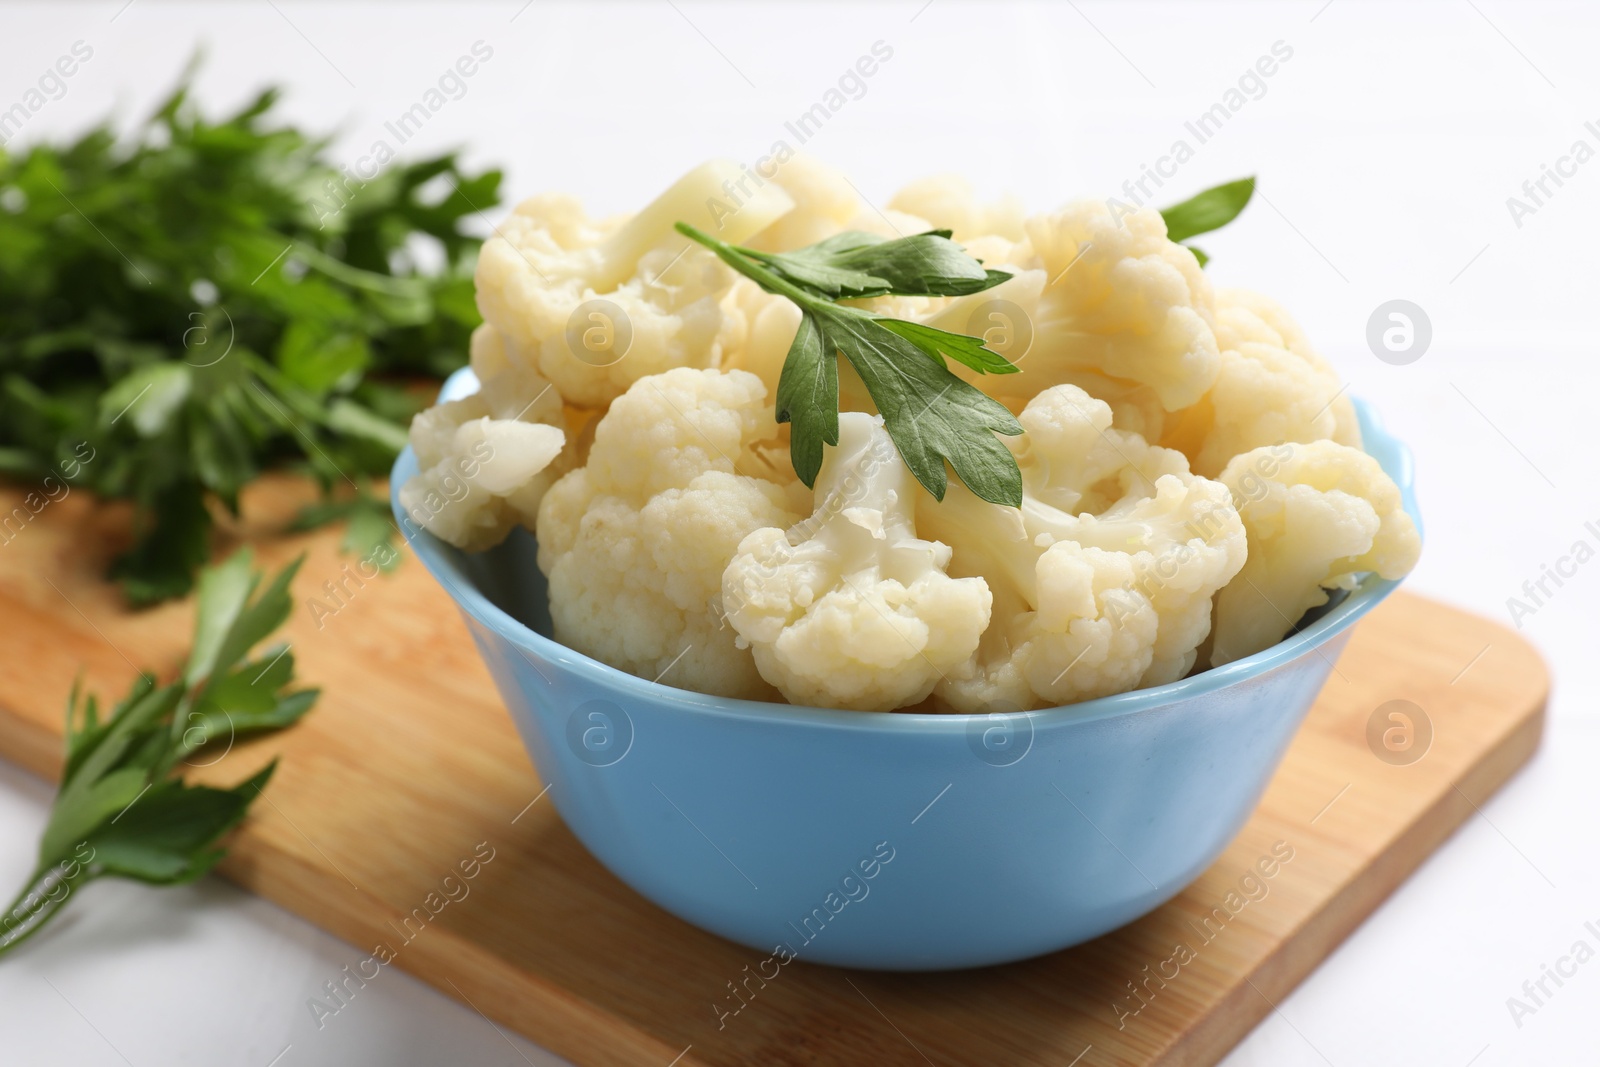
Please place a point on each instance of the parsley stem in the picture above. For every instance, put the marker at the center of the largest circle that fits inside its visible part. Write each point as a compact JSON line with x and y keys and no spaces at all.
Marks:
{"x":37,"y":904}
{"x":768,"y":280}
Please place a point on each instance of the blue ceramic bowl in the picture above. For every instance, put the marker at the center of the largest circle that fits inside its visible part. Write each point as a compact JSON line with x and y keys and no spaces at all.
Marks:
{"x":886,"y":840}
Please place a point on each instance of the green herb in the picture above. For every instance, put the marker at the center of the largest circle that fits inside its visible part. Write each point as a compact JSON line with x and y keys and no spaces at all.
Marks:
{"x":855,"y":264}
{"x":1207,"y":211}
{"x":368,"y":526}
{"x":932,"y":415}
{"x":122,"y":808}
{"x":209,"y":299}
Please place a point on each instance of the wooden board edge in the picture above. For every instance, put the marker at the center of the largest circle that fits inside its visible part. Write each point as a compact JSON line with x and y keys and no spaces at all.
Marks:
{"x":455,"y":966}
{"x":1304,"y":950}
{"x":571,"y":1027}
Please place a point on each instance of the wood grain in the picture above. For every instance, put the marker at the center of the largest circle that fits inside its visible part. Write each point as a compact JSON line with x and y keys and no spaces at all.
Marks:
{"x":409,"y":764}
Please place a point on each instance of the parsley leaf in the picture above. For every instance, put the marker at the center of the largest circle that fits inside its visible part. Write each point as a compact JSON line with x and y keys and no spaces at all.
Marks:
{"x":963,"y":348}
{"x":123,"y":808}
{"x":854,"y":264}
{"x":369,"y":526}
{"x":933,"y":416}
{"x":808,"y":397}
{"x":1207,"y":211}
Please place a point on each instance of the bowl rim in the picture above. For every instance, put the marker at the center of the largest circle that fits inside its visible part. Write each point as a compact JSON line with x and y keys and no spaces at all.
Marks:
{"x":435,"y":555}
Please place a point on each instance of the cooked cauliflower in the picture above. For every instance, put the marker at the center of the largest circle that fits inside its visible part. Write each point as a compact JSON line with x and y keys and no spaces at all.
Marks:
{"x":540,"y":277}
{"x":1318,"y":516}
{"x":1271,"y":387}
{"x":1103,"y":580}
{"x":762,"y":327}
{"x":948,"y":202}
{"x":825,"y":203}
{"x":1273,"y":316}
{"x":1192,"y":475}
{"x":485,"y":461}
{"x":1104,"y":297}
{"x":634,"y":543}
{"x":851,"y":609}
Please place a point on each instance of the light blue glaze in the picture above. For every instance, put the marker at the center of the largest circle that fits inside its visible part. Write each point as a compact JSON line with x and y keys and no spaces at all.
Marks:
{"x":742,"y":817}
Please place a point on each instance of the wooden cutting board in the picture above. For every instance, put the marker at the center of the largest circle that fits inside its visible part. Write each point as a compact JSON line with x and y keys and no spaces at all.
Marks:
{"x":409,"y":767}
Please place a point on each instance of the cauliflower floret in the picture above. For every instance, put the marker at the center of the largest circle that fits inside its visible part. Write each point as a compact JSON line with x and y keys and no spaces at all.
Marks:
{"x":1105,"y":298}
{"x":851,"y":609}
{"x":485,"y":461}
{"x":948,"y":202}
{"x":634,"y":543}
{"x":1270,"y":313}
{"x":824,"y":204}
{"x":660,"y":291}
{"x":889,"y":223}
{"x":1135,"y":408}
{"x":765,"y":325}
{"x":1073,"y":460}
{"x":1104,"y":578}
{"x":1271,"y":387}
{"x":510,"y":388}
{"x":1318,"y":515}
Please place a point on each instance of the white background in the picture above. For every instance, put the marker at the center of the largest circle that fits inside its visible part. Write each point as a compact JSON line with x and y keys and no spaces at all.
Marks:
{"x":1386,"y":149}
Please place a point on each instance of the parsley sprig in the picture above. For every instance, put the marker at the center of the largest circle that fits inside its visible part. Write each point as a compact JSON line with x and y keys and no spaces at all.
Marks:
{"x":932,"y":415}
{"x":123,"y":808}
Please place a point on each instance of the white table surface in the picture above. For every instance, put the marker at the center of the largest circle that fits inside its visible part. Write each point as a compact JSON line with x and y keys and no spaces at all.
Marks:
{"x":1386,"y":149}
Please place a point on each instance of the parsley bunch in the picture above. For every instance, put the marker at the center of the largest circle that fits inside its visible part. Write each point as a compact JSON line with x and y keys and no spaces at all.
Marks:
{"x":122,"y":808}
{"x":210,"y":299}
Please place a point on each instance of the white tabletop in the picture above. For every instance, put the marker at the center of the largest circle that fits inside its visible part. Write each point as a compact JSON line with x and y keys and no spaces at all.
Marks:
{"x":1386,"y":145}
